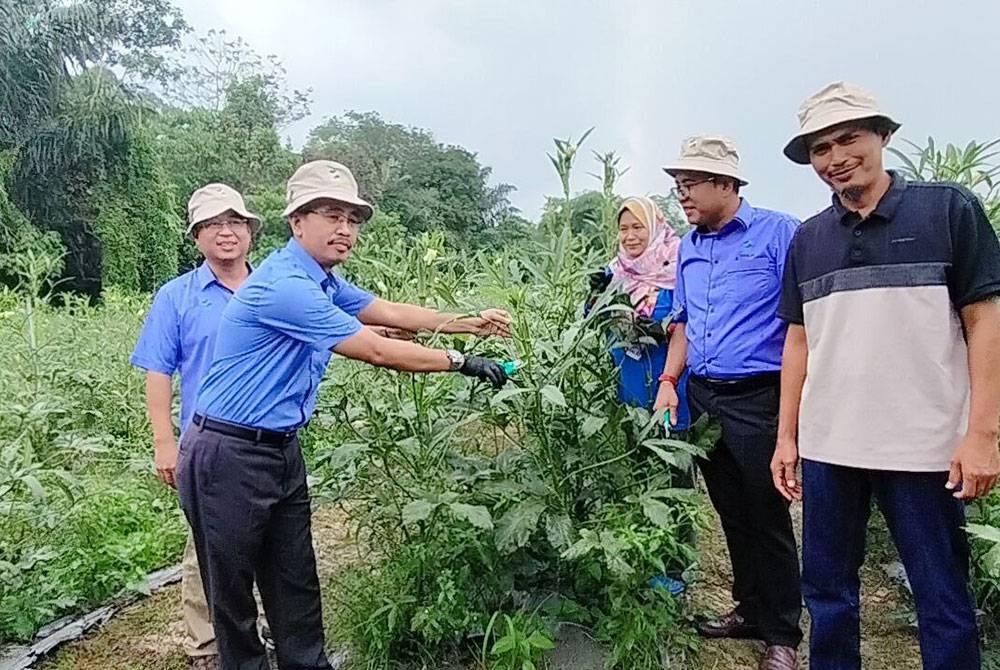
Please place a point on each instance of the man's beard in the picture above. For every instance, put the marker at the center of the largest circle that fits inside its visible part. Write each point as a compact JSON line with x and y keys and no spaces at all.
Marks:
{"x":852,"y":193}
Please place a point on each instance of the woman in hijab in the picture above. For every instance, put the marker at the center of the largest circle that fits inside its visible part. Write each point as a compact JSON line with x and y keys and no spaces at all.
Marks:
{"x":646,"y":270}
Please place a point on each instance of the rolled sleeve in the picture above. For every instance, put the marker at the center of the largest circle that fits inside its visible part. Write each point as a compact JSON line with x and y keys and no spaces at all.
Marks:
{"x":158,"y":348}
{"x":299,"y":309}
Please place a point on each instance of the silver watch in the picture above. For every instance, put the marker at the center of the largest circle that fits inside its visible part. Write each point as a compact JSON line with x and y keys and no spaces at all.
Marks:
{"x":457,"y":359}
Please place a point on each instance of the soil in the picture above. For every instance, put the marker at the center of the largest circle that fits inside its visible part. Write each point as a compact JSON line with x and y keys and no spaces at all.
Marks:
{"x":147,"y":635}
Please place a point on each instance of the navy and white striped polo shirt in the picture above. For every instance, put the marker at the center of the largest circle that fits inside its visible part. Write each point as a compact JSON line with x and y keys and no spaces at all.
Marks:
{"x":887,"y":383}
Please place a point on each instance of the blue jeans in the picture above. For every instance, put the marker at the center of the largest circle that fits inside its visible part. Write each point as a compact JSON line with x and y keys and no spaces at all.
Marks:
{"x":925,"y":522}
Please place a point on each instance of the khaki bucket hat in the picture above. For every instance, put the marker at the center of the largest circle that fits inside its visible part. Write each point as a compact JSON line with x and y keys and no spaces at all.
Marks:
{"x":213,"y":199}
{"x":713,"y":154}
{"x":832,"y":105}
{"x":323,"y":179}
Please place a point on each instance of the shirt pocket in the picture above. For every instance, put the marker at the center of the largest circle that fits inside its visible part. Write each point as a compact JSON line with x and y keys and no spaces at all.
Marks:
{"x":751,"y":279}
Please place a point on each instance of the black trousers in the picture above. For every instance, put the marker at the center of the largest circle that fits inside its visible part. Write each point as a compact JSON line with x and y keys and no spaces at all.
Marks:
{"x":754,"y":516}
{"x":248,"y":506}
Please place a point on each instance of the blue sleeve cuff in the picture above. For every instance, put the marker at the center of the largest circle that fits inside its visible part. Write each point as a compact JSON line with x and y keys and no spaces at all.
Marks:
{"x":152,"y":366}
{"x":329,"y":342}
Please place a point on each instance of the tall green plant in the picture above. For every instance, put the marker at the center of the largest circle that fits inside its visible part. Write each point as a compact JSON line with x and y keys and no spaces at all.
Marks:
{"x":975,"y":166}
{"x":566,"y":151}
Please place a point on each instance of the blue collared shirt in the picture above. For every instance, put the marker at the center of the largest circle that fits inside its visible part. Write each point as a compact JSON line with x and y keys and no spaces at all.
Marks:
{"x":274,"y":341}
{"x":728,"y":287}
{"x":179,"y":332}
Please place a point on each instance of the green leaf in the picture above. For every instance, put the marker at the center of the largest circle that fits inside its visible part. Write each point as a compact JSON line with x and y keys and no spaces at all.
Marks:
{"x":553,"y":395}
{"x":558,"y":529}
{"x":477,"y":515}
{"x":991,"y":562}
{"x":983,"y":532}
{"x":665,"y":456}
{"x":345,"y":454}
{"x":588,"y":542}
{"x":35,"y":486}
{"x":505,"y":394}
{"x":688,"y":495}
{"x":517,"y":524}
{"x":503,"y":645}
{"x":657,"y":512}
{"x":540,"y":640}
{"x":418,"y":510}
{"x":592,"y":425}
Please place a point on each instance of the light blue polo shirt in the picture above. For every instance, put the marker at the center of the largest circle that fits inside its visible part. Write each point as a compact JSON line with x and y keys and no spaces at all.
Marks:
{"x":274,"y":341}
{"x":179,"y":333}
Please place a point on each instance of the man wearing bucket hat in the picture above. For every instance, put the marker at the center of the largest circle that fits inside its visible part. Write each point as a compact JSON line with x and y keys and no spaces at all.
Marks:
{"x":178,"y":337}
{"x":891,"y":382}
{"x":240,"y":472}
{"x":729,"y":337}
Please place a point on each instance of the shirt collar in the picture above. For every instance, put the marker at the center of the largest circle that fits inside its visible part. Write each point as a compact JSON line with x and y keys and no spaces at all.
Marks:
{"x":206,"y":277}
{"x":886,"y":207}
{"x":743,"y":218}
{"x":308,"y":263}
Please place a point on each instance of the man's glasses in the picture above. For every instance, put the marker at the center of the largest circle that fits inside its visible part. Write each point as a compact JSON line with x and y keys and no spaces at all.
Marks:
{"x":235,"y":225}
{"x":683,"y":189}
{"x":337,"y":216}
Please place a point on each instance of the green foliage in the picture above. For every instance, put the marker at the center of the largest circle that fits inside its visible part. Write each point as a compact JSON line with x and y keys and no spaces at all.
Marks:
{"x":473,"y":503}
{"x":519,"y":646}
{"x":134,"y":219}
{"x":975,"y":167}
{"x":984,"y":529}
{"x":426,"y":185}
{"x":81,"y":516}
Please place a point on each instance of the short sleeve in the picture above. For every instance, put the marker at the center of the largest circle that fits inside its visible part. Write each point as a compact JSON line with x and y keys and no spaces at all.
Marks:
{"x":349,"y":297}
{"x":790,"y":303}
{"x":298,"y":308}
{"x":679,"y":314}
{"x":784,"y":234}
{"x":975,"y":263}
{"x":158,"y":348}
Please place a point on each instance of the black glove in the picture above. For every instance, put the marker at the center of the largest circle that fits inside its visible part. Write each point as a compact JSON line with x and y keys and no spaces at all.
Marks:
{"x":599,"y":281}
{"x":484,"y":369}
{"x":650,"y":328}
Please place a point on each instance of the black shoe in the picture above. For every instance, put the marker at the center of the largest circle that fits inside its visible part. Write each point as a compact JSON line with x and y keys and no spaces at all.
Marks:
{"x":730,"y":625}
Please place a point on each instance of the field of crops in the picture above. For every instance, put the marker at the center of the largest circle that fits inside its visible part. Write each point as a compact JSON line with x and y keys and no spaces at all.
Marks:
{"x":485,"y":517}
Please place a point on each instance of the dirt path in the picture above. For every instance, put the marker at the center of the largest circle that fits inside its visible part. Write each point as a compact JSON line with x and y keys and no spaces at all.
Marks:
{"x":147,"y":635}
{"x":887,"y":643}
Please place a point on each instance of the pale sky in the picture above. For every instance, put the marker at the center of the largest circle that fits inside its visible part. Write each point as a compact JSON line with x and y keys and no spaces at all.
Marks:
{"x":503,"y":78}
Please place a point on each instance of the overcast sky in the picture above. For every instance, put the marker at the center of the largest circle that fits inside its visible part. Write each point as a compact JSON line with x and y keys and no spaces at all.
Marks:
{"x":502,"y":78}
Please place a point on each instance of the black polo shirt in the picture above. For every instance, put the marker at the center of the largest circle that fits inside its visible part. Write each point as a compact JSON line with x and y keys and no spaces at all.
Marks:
{"x":887,"y":385}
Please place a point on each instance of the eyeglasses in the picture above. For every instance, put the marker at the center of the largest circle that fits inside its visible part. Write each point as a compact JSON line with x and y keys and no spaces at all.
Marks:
{"x":683,"y":190}
{"x":235,"y":225}
{"x":337,"y":216}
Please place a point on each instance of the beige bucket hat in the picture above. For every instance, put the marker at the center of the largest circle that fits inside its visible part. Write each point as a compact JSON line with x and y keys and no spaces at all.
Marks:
{"x":323,"y":179}
{"x":713,"y":154}
{"x":833,"y":104}
{"x":213,"y":199}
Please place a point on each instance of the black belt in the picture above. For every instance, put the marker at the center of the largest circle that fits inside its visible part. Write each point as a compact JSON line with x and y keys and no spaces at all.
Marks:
{"x":741,"y":384}
{"x":244,"y":432}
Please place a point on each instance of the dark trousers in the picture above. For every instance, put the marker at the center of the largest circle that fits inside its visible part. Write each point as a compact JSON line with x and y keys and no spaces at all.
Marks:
{"x":754,"y":516}
{"x":248,"y":506}
{"x":925,"y":522}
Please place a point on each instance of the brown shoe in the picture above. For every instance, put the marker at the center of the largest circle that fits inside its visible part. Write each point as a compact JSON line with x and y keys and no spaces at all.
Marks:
{"x":779,"y":658}
{"x":204,"y":662}
{"x":729,"y":625}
